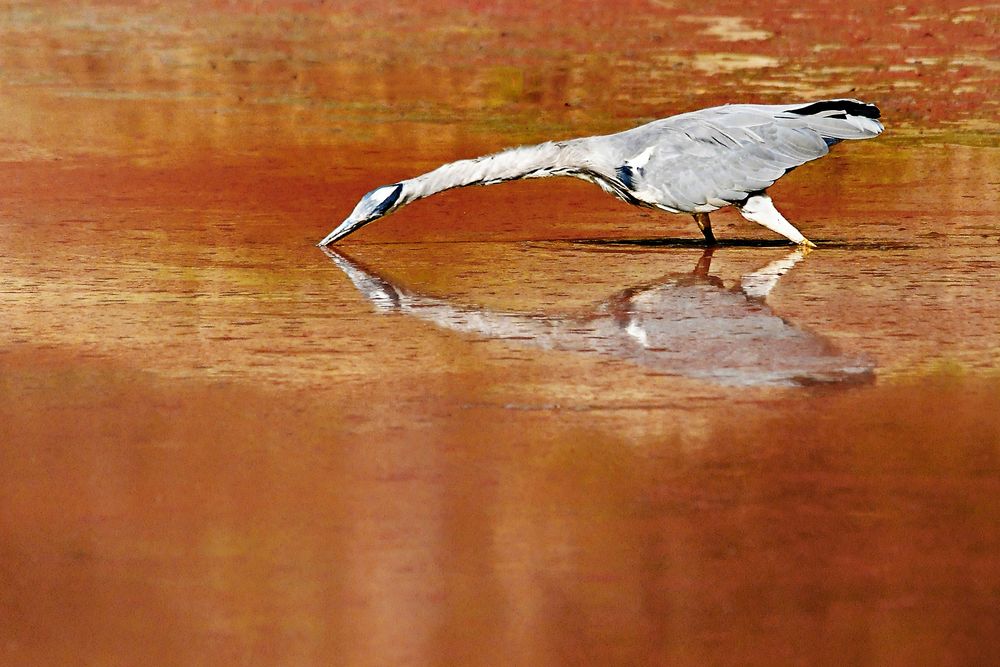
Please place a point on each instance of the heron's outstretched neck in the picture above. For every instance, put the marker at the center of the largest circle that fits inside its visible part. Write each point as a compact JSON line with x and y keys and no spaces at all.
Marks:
{"x":561,"y":158}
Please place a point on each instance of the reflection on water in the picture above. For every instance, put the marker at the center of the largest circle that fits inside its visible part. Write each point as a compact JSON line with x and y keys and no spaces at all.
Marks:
{"x":688,"y":324}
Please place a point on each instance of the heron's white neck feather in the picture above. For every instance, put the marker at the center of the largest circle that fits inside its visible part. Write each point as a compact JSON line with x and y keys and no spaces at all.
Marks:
{"x":547,"y":159}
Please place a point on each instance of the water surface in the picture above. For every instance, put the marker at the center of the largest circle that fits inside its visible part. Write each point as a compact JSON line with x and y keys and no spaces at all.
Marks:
{"x":522,"y":424}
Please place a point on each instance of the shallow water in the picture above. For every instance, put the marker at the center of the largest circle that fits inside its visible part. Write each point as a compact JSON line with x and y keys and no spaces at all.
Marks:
{"x":523,"y":424}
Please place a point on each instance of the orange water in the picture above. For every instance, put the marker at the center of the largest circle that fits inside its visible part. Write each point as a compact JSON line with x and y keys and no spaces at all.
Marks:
{"x":476,"y":436}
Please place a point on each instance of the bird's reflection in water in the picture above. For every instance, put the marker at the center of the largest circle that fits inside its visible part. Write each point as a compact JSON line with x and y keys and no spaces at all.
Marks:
{"x":688,"y":324}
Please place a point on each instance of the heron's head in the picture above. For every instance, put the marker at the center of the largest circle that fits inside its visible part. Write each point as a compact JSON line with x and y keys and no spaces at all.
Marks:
{"x":378,"y":203}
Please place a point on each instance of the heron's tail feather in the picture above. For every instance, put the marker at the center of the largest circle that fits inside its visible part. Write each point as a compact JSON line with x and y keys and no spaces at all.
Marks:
{"x":847,"y":106}
{"x":836,"y":120}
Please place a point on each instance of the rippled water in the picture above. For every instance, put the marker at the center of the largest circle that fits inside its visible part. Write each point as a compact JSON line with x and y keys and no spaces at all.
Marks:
{"x":523,"y":424}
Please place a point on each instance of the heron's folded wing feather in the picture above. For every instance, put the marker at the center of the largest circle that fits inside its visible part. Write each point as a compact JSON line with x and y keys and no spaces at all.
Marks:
{"x":722,"y":155}
{"x":715,"y":162}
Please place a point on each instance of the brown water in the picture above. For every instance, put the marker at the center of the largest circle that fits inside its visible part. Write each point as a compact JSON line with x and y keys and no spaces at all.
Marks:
{"x":523,"y":424}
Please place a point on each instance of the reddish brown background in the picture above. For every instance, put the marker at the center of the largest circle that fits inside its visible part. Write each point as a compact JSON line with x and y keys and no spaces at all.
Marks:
{"x":215,"y":452}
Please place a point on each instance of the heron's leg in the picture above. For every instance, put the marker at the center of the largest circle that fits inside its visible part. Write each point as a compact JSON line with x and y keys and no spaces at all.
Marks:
{"x":760,"y":209}
{"x":705,"y":225}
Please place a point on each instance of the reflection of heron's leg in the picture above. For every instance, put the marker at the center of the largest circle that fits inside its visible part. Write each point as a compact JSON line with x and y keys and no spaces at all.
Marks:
{"x":705,"y":225}
{"x":704,"y":262}
{"x":759,"y":284}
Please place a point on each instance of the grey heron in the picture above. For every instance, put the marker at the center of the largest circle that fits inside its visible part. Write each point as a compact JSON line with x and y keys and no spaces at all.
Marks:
{"x":695,"y":162}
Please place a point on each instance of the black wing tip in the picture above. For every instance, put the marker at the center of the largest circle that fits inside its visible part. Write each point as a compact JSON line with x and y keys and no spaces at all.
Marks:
{"x":852,"y":107}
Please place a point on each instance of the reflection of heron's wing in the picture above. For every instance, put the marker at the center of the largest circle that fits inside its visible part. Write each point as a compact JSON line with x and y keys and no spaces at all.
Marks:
{"x":684,"y":325}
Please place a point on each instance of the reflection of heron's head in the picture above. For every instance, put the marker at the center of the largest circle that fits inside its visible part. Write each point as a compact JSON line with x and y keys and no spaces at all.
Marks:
{"x":378,"y":203}
{"x":378,"y":290}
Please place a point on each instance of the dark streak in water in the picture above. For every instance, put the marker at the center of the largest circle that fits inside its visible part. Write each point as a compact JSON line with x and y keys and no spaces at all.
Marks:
{"x":666,"y":242}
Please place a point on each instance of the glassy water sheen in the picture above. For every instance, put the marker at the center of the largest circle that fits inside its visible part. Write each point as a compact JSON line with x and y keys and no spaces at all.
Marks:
{"x":522,"y":424}
{"x":688,"y":324}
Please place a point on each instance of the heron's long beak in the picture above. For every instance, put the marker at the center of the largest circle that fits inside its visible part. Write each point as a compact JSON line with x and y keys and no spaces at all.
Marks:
{"x":342,"y":230}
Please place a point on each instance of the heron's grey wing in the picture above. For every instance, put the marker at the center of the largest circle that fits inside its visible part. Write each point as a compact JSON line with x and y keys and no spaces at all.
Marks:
{"x":716,"y":157}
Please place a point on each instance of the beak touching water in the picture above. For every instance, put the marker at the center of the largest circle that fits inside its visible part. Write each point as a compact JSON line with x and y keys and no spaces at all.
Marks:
{"x":342,"y":230}
{"x":374,"y":205}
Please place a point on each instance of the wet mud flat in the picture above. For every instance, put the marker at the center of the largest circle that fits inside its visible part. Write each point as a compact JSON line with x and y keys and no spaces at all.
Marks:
{"x":523,"y":424}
